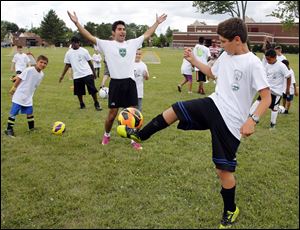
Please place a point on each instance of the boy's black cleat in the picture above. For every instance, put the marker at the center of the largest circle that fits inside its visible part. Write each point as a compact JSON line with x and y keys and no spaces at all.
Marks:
{"x":97,"y":106}
{"x":10,"y":133}
{"x":82,"y":106}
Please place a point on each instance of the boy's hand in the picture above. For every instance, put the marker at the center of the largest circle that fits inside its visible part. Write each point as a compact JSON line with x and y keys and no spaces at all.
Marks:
{"x":73,"y":17}
{"x":248,"y":128}
{"x":161,"y":18}
{"x":12,"y":90}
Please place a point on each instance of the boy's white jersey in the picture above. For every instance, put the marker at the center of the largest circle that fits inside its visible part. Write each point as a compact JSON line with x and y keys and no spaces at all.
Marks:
{"x":293,"y":81}
{"x":186,"y":67}
{"x":239,"y":77}
{"x":31,"y":78}
{"x":21,"y":61}
{"x":280,"y":58}
{"x":139,"y":70}
{"x":120,"y":56}
{"x":201,"y":53}
{"x":79,"y":62}
{"x":276,"y":74}
{"x":97,"y":60}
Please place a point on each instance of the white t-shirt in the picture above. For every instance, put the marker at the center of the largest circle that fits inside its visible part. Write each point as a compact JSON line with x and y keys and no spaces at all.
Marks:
{"x":21,"y":61}
{"x":79,"y":62}
{"x":120,"y":56}
{"x":97,"y":60}
{"x":186,"y":67}
{"x":239,"y":78}
{"x":139,"y":69}
{"x":31,"y":78}
{"x":293,"y":81}
{"x":276,"y":74}
{"x":280,"y":58}
{"x":201,"y":53}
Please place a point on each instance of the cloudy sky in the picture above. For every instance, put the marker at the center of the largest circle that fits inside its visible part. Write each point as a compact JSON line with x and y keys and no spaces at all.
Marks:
{"x":180,"y":13}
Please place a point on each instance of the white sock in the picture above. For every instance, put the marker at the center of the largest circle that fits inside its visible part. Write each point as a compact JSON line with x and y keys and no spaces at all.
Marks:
{"x":106,"y":134}
{"x":274,"y":117}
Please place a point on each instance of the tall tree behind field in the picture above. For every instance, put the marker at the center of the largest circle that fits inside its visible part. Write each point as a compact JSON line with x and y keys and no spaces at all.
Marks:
{"x":234,"y":8}
{"x":52,"y":28}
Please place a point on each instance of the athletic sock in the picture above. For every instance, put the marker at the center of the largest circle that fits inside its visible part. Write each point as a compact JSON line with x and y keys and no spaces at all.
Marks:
{"x":10,"y":122}
{"x":30,"y":121}
{"x":228,"y":199}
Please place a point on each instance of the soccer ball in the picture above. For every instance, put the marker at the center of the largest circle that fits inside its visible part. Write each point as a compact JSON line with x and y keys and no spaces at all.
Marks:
{"x":131,"y":117}
{"x":58,"y":128}
{"x":103,"y":92}
{"x":281,"y":109}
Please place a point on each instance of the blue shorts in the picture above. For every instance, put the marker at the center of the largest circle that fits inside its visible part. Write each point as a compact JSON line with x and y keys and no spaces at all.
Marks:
{"x":288,"y":97}
{"x":17,"y":109}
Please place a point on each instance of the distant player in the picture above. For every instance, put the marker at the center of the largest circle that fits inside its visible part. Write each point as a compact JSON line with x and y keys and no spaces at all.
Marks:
{"x":19,"y":62}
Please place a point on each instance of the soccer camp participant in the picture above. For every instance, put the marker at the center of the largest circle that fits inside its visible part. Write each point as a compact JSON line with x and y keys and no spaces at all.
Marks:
{"x":20,"y":61}
{"x":119,"y":55}
{"x":22,"y":94}
{"x":83,"y":72}
{"x":277,"y":73}
{"x":225,"y":112}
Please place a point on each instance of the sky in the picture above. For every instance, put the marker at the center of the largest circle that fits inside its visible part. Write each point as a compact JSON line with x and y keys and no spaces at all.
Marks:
{"x":180,"y":13}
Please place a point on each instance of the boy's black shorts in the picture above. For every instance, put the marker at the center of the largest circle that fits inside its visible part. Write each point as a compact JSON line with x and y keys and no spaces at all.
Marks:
{"x":80,"y":83}
{"x":202,"y":114}
{"x":200,"y":76}
{"x":122,"y":93}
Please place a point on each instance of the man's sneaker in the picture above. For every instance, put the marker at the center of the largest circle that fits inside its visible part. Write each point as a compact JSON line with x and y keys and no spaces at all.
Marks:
{"x":124,"y":131}
{"x":105,"y":140}
{"x":82,"y":106}
{"x":10,"y":133}
{"x":229,"y":218}
{"x":179,"y":88}
{"x":97,"y":106}
{"x":136,"y":146}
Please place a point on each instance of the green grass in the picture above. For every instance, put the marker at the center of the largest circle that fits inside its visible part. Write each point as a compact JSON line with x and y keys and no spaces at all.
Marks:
{"x":72,"y":181}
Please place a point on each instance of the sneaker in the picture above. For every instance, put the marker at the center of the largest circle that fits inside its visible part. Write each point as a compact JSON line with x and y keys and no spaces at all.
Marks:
{"x":97,"y":106}
{"x":105,"y":140}
{"x":179,"y":88}
{"x":272,"y":126}
{"x":286,"y":112}
{"x":136,"y":145}
{"x":229,"y":218}
{"x":82,"y":106}
{"x":124,"y":131}
{"x":10,"y":133}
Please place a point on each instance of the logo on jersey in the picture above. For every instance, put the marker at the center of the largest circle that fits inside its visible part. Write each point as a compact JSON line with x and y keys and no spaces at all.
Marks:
{"x":238,"y":75}
{"x":122,"y":52}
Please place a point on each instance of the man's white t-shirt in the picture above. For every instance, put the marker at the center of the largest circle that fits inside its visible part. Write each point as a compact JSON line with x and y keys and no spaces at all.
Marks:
{"x":293,"y":81}
{"x":280,"y":58}
{"x":79,"y":62}
{"x":276,"y":74}
{"x":31,"y":78}
{"x":120,"y":56}
{"x":201,"y":53}
{"x":239,"y":78}
{"x":186,"y":67}
{"x":139,"y":69}
{"x":97,"y":60}
{"x":21,"y":61}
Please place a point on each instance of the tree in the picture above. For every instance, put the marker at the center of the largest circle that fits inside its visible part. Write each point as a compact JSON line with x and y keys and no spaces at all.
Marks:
{"x":53,"y":29}
{"x":7,"y":27}
{"x":287,"y":11}
{"x":234,"y":8}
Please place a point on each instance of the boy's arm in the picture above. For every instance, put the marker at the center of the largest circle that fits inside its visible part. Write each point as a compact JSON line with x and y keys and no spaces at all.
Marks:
{"x":288,"y":85}
{"x":152,"y":29}
{"x":92,"y":68}
{"x":248,"y":127}
{"x":15,"y":85}
{"x":12,"y":68}
{"x":67,"y":66}
{"x":295,"y":89}
{"x":86,"y":34}
{"x":188,"y":55}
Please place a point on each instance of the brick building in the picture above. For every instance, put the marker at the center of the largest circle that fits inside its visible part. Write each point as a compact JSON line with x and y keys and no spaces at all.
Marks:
{"x":26,"y":39}
{"x":257,"y":32}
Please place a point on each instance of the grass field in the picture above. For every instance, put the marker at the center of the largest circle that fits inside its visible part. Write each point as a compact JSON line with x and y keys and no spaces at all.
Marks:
{"x":72,"y":181}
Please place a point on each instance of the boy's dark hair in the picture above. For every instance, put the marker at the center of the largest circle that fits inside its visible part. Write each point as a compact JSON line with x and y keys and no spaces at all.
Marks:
{"x":201,"y":40}
{"x":19,"y":47}
{"x":42,"y":57}
{"x":277,"y":48}
{"x":75,"y":39}
{"x":116,"y":23}
{"x":270,"y":53}
{"x":233,"y":27}
{"x":286,"y":62}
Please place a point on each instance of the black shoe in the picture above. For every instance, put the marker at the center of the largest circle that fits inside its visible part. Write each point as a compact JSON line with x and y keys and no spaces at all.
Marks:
{"x":286,"y":112}
{"x":10,"y":133}
{"x":82,"y":106}
{"x":179,"y":88}
{"x":97,"y":106}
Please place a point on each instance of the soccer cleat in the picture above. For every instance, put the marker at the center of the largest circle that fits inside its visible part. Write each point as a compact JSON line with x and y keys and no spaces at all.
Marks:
{"x":105,"y":140}
{"x":82,"y":106}
{"x":272,"y":126}
{"x":228,"y":218}
{"x":179,"y":88}
{"x":125,"y":131}
{"x":10,"y":133}
{"x":97,"y":106}
{"x":136,"y":145}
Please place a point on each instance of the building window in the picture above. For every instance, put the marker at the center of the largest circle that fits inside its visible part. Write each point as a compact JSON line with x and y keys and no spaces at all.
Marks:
{"x":254,"y":29}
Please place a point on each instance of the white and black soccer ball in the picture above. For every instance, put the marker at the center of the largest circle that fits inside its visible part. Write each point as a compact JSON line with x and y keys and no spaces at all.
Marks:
{"x":281,"y":109}
{"x":103,"y":92}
